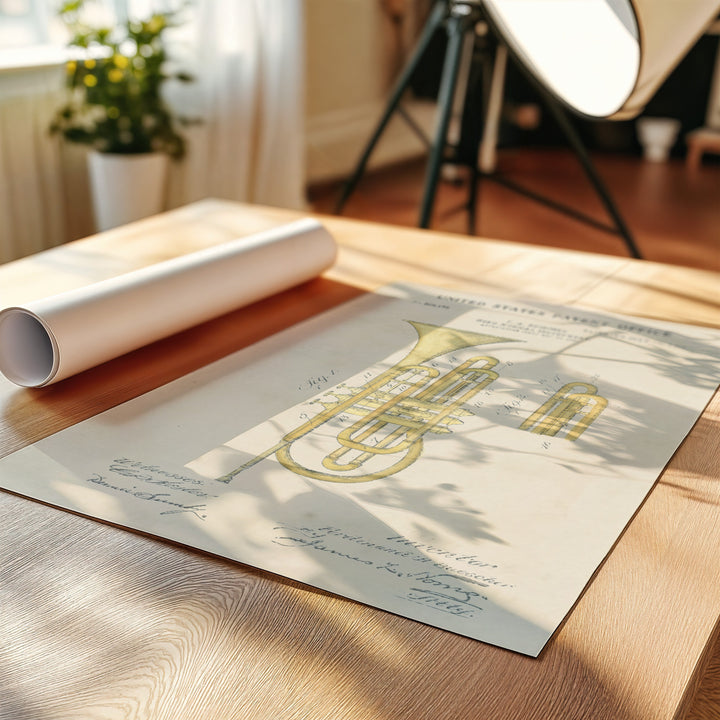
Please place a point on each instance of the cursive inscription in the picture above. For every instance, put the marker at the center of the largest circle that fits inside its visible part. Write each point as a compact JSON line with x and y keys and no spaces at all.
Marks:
{"x":175,"y":493}
{"x":154,"y":475}
{"x":441,"y":601}
{"x":306,"y":542}
{"x":450,"y":582}
{"x":163,"y":498}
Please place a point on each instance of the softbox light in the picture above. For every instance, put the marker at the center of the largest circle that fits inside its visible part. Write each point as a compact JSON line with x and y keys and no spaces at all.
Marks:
{"x":602,"y":58}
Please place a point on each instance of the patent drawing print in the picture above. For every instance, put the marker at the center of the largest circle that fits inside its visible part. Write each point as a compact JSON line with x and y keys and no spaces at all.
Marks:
{"x":379,"y":427}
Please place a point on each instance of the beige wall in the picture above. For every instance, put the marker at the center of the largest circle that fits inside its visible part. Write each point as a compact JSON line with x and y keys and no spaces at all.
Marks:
{"x":352,"y":57}
{"x":348,"y":49}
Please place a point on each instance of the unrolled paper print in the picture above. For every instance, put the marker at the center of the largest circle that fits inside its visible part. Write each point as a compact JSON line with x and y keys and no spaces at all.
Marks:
{"x":466,"y":462}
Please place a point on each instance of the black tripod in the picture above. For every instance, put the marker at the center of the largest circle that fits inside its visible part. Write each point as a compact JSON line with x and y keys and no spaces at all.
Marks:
{"x":460,"y":18}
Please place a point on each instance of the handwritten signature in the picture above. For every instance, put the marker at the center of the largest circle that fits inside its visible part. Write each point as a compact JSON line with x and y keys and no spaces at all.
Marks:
{"x":163,"y":498}
{"x":317,"y":544}
{"x":444,"y":603}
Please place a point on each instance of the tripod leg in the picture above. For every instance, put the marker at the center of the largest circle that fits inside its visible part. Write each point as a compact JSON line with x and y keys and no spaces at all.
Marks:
{"x":434,"y":21}
{"x":482,"y":128}
{"x":473,"y":192}
{"x":493,"y":110}
{"x":577,"y":145}
{"x":457,"y":25}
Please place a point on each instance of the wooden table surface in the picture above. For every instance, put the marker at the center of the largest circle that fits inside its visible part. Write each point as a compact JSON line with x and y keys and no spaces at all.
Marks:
{"x":99,"y":622}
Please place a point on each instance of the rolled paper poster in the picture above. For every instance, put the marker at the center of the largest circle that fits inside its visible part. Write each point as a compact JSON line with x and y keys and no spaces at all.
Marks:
{"x":50,"y":339}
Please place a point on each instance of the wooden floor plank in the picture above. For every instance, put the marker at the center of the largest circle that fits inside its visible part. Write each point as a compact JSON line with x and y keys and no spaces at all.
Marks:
{"x":673,"y":212}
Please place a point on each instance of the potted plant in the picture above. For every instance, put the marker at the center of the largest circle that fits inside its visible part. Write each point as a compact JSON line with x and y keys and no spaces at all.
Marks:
{"x":115,"y":106}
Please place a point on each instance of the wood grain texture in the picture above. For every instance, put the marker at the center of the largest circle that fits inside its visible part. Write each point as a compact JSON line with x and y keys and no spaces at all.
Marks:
{"x":98,"y":622}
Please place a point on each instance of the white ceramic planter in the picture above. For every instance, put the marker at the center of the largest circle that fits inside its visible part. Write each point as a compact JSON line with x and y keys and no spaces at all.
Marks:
{"x":126,"y":187}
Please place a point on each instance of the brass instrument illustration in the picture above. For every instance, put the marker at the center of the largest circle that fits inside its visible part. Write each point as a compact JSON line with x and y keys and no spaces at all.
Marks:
{"x":571,"y":400}
{"x":395,"y":410}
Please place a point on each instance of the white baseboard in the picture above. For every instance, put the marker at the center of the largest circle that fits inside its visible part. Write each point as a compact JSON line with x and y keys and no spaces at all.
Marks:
{"x":335,"y":140}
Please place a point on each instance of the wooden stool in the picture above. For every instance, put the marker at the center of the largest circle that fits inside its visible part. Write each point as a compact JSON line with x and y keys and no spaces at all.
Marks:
{"x":701,"y":141}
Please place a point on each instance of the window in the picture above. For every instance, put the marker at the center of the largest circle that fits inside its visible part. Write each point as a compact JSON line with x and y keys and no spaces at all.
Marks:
{"x":24,"y":23}
{"x":31,"y":33}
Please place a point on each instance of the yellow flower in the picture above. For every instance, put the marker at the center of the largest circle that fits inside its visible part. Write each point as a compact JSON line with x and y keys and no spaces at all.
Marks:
{"x":71,"y":66}
{"x":90,"y":80}
{"x":115,"y":75}
{"x":155,"y":24}
{"x":120,"y":61}
{"x":89,"y":63}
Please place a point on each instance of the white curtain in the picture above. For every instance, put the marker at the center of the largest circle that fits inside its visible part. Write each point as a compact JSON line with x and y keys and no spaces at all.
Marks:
{"x":32,"y":204}
{"x":249,"y":63}
{"x":248,"y":60}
